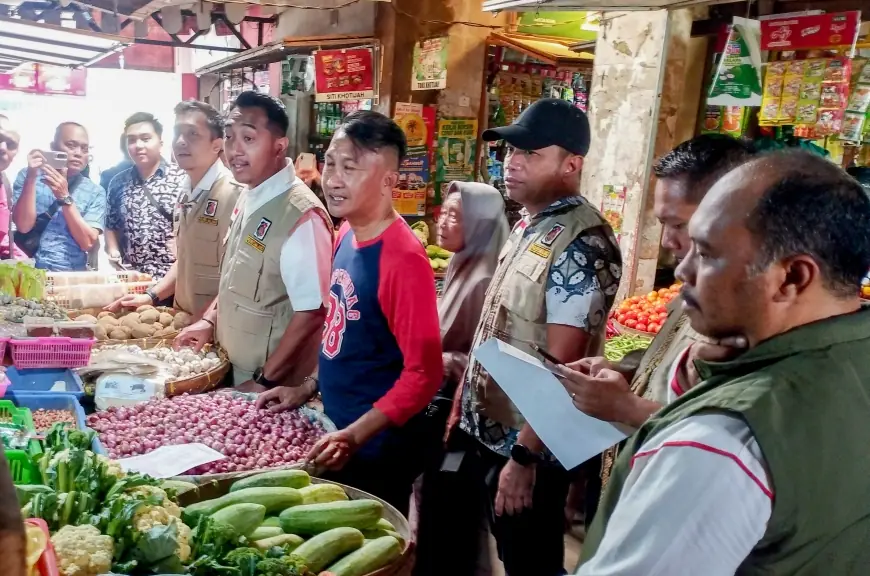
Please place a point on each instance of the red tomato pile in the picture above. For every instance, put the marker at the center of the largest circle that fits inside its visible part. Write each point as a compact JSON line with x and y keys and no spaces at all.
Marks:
{"x":646,"y":313}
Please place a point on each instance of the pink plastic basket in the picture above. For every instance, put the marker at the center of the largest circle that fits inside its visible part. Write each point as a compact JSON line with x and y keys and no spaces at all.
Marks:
{"x":53,"y":352}
{"x":3,"y":342}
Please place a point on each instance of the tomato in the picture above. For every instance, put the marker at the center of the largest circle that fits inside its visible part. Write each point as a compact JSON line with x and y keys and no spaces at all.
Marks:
{"x":643,"y":317}
{"x":661,"y":309}
{"x":641,"y":327}
{"x":663,"y":291}
{"x":675,"y":287}
{"x":620,"y":318}
{"x":654,"y":328}
{"x":632,"y":315}
{"x":631,"y":322}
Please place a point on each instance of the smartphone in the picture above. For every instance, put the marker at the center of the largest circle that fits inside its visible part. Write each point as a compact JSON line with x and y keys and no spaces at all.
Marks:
{"x":55,"y":159}
{"x":306,"y":161}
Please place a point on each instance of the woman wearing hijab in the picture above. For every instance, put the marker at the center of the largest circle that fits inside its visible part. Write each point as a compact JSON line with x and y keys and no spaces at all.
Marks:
{"x":474,"y":227}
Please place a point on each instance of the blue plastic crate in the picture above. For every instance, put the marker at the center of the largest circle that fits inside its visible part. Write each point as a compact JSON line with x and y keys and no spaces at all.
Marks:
{"x":57,"y":401}
{"x":42,"y":380}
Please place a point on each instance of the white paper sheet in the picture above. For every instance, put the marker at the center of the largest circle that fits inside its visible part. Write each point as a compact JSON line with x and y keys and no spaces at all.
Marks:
{"x":169,"y":461}
{"x":572,"y":436}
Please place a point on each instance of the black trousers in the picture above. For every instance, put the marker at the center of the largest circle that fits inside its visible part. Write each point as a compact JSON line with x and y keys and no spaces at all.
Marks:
{"x":529,"y":544}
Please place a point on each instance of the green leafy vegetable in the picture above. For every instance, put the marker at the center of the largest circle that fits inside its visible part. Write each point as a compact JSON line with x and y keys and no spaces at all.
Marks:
{"x":245,"y":559}
{"x":214,"y":539}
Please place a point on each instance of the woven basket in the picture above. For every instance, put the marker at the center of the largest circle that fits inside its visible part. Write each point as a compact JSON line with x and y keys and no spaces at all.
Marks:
{"x":197,"y":384}
{"x":73,"y":314}
{"x":210,"y":489}
{"x":626,"y":330}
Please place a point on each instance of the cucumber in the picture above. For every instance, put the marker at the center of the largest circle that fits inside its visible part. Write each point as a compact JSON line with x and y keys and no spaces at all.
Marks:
{"x":317,"y":518}
{"x":274,"y":499}
{"x":286,"y":541}
{"x":325,"y":548}
{"x":179,"y":486}
{"x":275,"y":479}
{"x":385,"y":524}
{"x":265,"y":532}
{"x":271,"y":521}
{"x":372,"y":556}
{"x":243,"y":517}
{"x":375,"y":533}
{"x":321,"y":493}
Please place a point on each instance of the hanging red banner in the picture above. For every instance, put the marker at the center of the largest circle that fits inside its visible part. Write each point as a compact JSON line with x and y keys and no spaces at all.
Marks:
{"x":343,"y":75}
{"x":810,"y":32}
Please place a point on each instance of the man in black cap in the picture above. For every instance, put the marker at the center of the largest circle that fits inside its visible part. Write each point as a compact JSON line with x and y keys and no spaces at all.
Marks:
{"x":556,"y":280}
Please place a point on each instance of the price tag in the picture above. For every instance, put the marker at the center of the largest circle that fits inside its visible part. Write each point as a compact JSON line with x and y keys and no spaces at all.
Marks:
{"x":169,"y":461}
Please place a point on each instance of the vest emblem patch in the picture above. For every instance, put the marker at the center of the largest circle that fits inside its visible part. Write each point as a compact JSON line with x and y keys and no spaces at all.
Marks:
{"x":551,"y":236}
{"x":262,"y":229}
{"x":211,"y":207}
{"x":255,"y":244}
{"x":539,"y":250}
{"x":207,"y":220}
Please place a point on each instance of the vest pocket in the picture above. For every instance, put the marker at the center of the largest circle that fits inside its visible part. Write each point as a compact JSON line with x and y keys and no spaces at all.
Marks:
{"x":245,"y":274}
{"x":205,"y":244}
{"x":524,"y":290}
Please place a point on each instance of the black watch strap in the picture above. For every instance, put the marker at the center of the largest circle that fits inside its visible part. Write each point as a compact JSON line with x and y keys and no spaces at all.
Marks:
{"x":153,"y":295}
{"x":261,"y":379}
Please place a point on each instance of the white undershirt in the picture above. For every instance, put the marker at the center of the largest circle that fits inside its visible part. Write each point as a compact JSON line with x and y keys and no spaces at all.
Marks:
{"x":306,"y":256}
{"x":696,"y":501}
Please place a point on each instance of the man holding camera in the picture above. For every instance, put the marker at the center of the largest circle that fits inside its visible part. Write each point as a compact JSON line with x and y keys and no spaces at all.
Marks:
{"x":59,"y":212}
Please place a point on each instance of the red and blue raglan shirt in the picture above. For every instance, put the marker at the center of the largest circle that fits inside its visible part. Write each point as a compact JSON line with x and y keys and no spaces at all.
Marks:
{"x":381,"y":340}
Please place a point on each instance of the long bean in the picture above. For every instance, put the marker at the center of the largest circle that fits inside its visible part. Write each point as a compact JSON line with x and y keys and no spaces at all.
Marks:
{"x":618,"y":346}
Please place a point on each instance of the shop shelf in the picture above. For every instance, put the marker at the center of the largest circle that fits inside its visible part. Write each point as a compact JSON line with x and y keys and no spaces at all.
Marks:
{"x":52,"y":352}
{"x":42,"y":380}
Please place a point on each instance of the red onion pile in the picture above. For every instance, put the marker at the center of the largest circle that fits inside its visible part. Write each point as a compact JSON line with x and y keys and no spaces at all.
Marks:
{"x":251,"y":439}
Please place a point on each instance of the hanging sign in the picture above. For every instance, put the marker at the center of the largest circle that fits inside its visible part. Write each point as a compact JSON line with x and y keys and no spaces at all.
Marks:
{"x":430,"y":64}
{"x":457,"y":140}
{"x":808,"y":32}
{"x":418,"y":123}
{"x":343,"y":75}
{"x":45,"y":79}
{"x":737,"y":81}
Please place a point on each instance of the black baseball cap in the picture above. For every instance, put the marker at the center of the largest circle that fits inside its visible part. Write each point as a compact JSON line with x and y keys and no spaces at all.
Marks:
{"x":547,"y":122}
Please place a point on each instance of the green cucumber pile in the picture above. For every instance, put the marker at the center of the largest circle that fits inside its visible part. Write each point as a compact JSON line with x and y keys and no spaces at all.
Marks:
{"x":618,"y":346}
{"x":279,"y":524}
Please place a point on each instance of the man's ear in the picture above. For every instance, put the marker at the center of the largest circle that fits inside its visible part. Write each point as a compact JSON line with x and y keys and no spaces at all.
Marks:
{"x":572,"y":166}
{"x":53,"y":146}
{"x":391,"y":180}
{"x":800,"y":272}
{"x":281,"y":146}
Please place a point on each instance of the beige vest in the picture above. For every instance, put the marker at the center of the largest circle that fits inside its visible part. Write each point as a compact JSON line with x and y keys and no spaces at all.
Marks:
{"x":253,"y":307}
{"x":515,"y":306}
{"x":199,"y":234}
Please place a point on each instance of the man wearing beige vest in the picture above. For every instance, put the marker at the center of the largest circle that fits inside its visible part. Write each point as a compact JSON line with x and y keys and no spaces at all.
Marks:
{"x":202,"y":216}
{"x":556,"y":280}
{"x":274,"y":274}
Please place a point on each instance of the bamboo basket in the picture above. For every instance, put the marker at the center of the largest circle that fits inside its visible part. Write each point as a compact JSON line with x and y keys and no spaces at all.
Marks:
{"x":73,"y":314}
{"x":626,"y":330}
{"x":210,"y":489}
{"x":198,"y":384}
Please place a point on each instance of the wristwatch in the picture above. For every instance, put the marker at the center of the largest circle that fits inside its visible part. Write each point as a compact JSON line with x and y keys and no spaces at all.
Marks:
{"x":65,"y":201}
{"x":261,"y":379}
{"x":523,"y":456}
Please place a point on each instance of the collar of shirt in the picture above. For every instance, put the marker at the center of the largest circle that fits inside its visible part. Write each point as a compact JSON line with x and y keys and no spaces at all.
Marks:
{"x":561,"y":205}
{"x":798,"y":341}
{"x":205,"y":184}
{"x":160,"y":172}
{"x":276,"y":185}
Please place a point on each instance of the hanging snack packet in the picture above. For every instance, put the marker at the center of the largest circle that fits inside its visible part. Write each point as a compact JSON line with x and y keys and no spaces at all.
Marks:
{"x":14,"y":437}
{"x":772,"y":96}
{"x":737,"y":81}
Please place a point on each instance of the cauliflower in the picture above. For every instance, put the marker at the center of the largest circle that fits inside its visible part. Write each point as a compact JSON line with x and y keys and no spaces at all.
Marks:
{"x":112,"y":467}
{"x":82,"y":551}
{"x":147,"y":517}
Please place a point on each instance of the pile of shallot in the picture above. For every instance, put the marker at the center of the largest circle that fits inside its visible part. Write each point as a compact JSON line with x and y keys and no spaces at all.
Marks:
{"x":251,"y":439}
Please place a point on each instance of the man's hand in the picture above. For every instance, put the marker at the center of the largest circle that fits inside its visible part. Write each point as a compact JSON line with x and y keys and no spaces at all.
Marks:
{"x":333,"y":450}
{"x":35,"y":161}
{"x":56,"y":181}
{"x":284,"y":398}
{"x":720,"y":351}
{"x":196,"y":335}
{"x":129,"y":301}
{"x":516,"y":484}
{"x":592,"y":365}
{"x":249,"y":386}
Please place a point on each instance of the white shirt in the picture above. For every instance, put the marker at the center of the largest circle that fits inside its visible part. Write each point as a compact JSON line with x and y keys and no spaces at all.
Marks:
{"x":696,"y":501}
{"x":306,"y":257}
{"x":194,"y":193}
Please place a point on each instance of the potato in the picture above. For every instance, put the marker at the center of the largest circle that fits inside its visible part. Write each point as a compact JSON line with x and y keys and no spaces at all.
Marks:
{"x":100,"y":332}
{"x":85,"y":318}
{"x":182,"y":320}
{"x":144,"y":308}
{"x":143,"y":331}
{"x":149,"y":316}
{"x":105,"y":314}
{"x":109,"y":321}
{"x":165,"y":319}
{"x":118,"y":334}
{"x":130,"y":320}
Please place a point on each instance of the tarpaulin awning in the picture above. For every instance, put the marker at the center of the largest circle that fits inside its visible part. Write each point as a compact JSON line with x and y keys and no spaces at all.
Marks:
{"x":24,"y":41}
{"x":280,"y":49}
{"x":540,"y":5}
